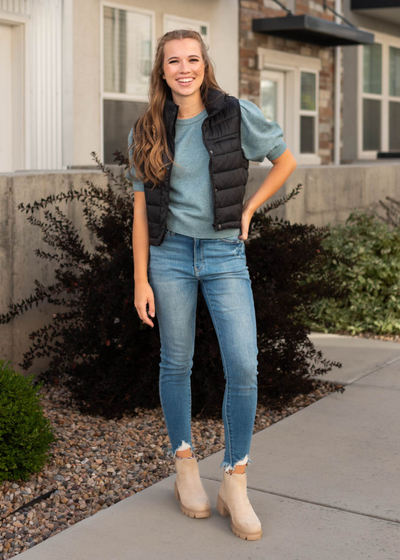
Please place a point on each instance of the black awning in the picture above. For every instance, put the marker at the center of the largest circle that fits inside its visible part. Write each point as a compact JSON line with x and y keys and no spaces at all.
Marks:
{"x":374,"y":4}
{"x":310,"y":29}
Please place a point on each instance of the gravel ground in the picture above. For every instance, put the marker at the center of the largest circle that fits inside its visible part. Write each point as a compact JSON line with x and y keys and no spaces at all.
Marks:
{"x":97,"y":462}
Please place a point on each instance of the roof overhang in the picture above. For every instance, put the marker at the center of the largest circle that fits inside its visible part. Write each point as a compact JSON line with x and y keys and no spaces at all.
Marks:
{"x":386,"y":10}
{"x":311,"y":29}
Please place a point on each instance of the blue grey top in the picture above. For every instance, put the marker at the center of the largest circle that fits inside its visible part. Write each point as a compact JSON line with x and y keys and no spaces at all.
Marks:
{"x":191,"y":209}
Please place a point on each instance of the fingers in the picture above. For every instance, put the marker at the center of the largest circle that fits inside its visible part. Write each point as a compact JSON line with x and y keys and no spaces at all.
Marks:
{"x":143,"y":314}
{"x":152,"y":310}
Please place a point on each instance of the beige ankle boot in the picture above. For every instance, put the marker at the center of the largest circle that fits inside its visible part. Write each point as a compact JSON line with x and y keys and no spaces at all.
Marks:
{"x":189,"y":489}
{"x":233,"y":500}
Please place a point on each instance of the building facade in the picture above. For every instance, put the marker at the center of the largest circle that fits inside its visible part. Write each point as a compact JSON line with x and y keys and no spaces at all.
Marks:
{"x":290,"y":80}
{"x":303,"y":62}
{"x":75,"y":74}
{"x":371,"y":86}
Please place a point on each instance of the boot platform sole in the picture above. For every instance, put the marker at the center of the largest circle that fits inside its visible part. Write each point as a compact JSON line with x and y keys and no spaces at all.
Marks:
{"x":222,"y":508}
{"x":190,"y":512}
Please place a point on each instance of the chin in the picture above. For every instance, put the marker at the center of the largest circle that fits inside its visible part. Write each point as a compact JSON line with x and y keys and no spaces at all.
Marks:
{"x":183,"y":93}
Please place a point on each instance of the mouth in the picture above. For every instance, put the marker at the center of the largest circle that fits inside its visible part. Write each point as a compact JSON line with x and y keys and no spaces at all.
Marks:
{"x":185,"y":81}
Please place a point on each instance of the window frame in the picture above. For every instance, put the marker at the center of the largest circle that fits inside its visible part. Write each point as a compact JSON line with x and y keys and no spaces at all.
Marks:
{"x":386,"y":41}
{"x":120,"y":96}
{"x":292,"y":65}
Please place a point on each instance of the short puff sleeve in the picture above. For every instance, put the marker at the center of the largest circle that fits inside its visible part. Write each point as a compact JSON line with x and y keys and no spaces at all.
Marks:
{"x":260,"y":138}
{"x":131,"y":174}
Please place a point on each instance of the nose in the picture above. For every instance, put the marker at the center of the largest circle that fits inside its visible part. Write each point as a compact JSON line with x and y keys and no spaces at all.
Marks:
{"x":183,"y":67}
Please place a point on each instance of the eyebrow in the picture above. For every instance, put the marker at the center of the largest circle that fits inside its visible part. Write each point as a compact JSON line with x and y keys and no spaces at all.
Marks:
{"x":190,"y":56}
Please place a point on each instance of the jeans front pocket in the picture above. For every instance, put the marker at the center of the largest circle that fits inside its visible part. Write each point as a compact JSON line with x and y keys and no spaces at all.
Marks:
{"x":233,"y":239}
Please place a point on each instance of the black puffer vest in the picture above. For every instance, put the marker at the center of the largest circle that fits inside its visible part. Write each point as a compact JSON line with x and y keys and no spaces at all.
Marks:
{"x":228,"y":166}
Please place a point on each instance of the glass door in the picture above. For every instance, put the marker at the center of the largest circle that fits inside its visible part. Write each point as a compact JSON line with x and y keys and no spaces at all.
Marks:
{"x":273,"y":96}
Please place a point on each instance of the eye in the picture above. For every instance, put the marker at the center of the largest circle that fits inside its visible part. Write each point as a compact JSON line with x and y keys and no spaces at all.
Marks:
{"x":191,"y":60}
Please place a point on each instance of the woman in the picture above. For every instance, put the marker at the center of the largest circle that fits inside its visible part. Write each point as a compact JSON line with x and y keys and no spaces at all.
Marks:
{"x":189,"y":159}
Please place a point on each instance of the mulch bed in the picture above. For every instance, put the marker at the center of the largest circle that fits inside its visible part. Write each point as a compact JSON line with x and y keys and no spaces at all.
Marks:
{"x":97,"y":462}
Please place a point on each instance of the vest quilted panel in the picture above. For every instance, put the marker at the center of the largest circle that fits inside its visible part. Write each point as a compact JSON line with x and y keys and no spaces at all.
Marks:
{"x":228,"y":166}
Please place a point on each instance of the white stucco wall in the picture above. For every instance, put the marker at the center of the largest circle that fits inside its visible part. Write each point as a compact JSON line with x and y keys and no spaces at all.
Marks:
{"x":223,"y":16}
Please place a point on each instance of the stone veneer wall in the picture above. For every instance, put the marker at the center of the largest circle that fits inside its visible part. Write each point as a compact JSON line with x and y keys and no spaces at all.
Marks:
{"x":249,"y":76}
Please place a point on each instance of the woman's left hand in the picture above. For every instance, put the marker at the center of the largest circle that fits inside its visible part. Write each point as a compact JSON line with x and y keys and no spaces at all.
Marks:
{"x":247,"y":214}
{"x":283,"y":167}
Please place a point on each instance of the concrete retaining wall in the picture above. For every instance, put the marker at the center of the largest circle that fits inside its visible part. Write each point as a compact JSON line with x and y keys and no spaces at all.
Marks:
{"x":328,"y":195}
{"x":19,"y":266}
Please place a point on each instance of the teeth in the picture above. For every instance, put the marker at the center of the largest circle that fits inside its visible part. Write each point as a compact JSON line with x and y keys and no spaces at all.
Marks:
{"x":186,"y":80}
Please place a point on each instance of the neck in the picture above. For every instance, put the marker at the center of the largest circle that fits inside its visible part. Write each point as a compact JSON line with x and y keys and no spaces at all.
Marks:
{"x":189,"y":107}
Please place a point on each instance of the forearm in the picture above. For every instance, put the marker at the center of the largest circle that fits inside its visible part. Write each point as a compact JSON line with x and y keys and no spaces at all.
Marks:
{"x":272,"y":183}
{"x":140,"y":245}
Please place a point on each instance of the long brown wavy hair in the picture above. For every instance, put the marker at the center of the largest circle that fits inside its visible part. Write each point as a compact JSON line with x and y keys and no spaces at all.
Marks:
{"x":149,"y":133}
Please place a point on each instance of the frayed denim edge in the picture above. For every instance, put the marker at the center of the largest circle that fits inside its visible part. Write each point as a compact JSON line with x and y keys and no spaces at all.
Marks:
{"x":227,"y":466}
{"x":172,"y":454}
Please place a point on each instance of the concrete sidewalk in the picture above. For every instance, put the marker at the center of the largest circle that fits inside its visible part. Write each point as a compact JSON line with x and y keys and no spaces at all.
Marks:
{"x":325,"y":482}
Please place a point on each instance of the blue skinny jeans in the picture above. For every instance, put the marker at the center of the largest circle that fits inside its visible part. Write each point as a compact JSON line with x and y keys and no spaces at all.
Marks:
{"x":175,"y":269}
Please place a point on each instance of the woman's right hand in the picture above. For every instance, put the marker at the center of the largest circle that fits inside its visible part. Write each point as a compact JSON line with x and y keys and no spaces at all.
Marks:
{"x":144,"y":295}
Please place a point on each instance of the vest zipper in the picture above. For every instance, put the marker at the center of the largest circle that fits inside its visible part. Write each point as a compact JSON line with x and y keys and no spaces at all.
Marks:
{"x":211,"y":179}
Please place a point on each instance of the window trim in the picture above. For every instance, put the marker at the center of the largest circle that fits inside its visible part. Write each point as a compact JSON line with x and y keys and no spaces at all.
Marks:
{"x":386,"y":41}
{"x":292,"y":65}
{"x":120,"y":96}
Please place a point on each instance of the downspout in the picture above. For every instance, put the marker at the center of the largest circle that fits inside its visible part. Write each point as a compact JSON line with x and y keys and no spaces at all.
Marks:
{"x":338,"y":91}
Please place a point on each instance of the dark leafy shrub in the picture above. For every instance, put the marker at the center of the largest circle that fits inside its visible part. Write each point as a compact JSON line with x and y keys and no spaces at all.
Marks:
{"x":110,"y":360}
{"x":25,"y":433}
{"x":392,"y":212}
{"x":373,"y":279}
{"x":281,"y":256}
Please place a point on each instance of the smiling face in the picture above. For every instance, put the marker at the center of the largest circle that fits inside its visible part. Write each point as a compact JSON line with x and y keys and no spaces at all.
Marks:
{"x":183,"y":67}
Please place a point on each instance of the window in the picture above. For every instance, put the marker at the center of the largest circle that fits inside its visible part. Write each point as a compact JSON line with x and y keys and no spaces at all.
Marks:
{"x":380,"y":95}
{"x":372,"y":96}
{"x":308,"y":112}
{"x":128,"y":40}
{"x":372,"y":82}
{"x":394,"y":98}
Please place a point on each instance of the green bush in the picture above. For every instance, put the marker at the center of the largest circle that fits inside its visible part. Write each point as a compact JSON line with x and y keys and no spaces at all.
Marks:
{"x":373,"y":278}
{"x":25,"y":434}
